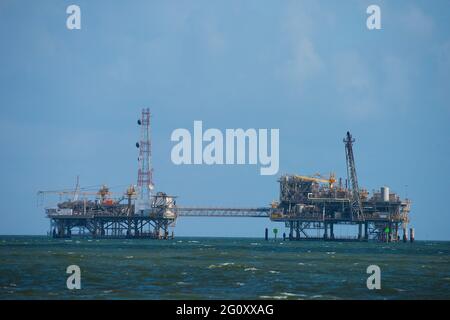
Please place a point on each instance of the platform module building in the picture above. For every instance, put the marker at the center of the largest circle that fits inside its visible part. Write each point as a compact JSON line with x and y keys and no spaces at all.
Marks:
{"x":306,"y":204}
{"x":110,"y":218}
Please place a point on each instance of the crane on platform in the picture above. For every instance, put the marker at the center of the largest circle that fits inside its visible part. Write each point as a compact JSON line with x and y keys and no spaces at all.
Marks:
{"x":318,"y":178}
{"x":103,"y":193}
{"x":356,"y":205}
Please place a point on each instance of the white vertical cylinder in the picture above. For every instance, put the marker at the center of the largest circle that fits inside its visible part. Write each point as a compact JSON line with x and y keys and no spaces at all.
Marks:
{"x":385,"y":193}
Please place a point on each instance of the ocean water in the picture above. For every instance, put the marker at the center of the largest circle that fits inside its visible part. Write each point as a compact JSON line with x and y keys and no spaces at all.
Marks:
{"x":221,"y":268}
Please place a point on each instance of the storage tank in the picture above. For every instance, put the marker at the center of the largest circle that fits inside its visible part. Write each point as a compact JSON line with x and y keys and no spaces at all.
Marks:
{"x":385,"y":194}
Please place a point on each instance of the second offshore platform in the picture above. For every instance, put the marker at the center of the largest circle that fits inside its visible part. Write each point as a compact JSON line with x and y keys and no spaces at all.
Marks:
{"x":309,"y":206}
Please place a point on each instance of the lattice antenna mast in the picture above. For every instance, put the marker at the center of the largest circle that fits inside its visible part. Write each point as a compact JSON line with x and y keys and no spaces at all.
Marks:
{"x":145,"y":171}
{"x":356,"y":205}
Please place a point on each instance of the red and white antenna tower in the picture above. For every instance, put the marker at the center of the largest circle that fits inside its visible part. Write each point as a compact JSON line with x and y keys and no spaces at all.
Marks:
{"x":145,"y":171}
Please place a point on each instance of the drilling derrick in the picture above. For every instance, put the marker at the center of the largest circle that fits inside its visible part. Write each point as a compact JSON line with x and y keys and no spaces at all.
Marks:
{"x":355,"y":205}
{"x":144,"y":182}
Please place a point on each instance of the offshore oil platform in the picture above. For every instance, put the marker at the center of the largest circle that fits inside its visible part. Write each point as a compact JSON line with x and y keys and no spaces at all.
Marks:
{"x":309,"y":206}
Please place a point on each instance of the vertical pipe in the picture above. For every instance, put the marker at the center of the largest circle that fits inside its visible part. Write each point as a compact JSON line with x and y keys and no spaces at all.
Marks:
{"x":266,"y":234}
{"x":405,"y":234}
{"x":325,"y":233}
{"x":411,"y":234}
{"x":284,"y":236}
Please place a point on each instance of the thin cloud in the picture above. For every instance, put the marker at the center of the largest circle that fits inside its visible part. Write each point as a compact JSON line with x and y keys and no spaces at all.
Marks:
{"x":416,"y":21}
{"x":303,"y":61}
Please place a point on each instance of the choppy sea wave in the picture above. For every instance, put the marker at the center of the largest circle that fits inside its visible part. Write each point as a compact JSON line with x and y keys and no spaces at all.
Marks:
{"x":218,"y":268}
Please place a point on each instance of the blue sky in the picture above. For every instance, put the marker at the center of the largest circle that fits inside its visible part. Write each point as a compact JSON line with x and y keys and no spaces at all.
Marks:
{"x":69,"y":100}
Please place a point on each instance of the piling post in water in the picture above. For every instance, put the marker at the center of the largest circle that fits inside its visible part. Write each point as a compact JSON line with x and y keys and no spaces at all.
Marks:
{"x":284,"y":236}
{"x":405,"y":235}
{"x":332,"y":230}
{"x":411,"y":234}
{"x":360,"y":231}
{"x":291,"y":230}
{"x":266,"y":235}
{"x":366,"y":231}
{"x":325,"y":232}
